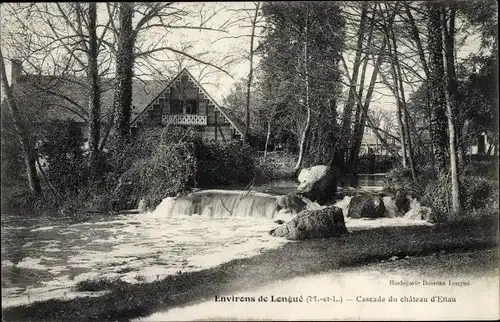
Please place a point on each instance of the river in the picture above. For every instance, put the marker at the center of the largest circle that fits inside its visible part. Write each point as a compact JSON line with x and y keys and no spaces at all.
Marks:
{"x":44,"y":258}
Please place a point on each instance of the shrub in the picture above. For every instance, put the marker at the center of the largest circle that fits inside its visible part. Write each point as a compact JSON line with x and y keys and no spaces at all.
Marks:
{"x":398,"y":178}
{"x":478,"y":192}
{"x":166,"y":162}
{"x":475,"y":193}
{"x":63,"y":149}
{"x":222,"y":164}
{"x":277,"y":165}
{"x":170,"y":170}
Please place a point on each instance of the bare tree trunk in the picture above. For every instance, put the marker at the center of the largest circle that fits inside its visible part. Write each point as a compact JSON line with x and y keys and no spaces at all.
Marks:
{"x":307,"y":124}
{"x":95,"y":91}
{"x":22,"y":133}
{"x":450,"y":101}
{"x":401,"y":129}
{"x":345,"y":132}
{"x":420,"y":50}
{"x":358,"y":136}
{"x":268,"y":136}
{"x":250,"y":73}
{"x":369,"y":95}
{"x":124,"y":71}
{"x":406,"y":119}
{"x":360,"y":119}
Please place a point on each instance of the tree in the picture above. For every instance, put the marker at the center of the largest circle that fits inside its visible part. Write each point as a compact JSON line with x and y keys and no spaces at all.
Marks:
{"x":251,"y":54}
{"x":124,"y":71}
{"x":449,"y":35}
{"x":21,"y":131}
{"x":301,"y":51}
{"x":345,"y":133}
{"x":437,"y":88}
{"x":95,"y":91}
{"x":66,"y":35}
{"x":133,"y":47}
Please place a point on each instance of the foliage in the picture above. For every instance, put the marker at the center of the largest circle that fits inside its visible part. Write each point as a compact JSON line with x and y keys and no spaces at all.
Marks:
{"x":276,"y":165}
{"x":62,"y":148}
{"x":476,"y":192}
{"x":319,"y":27}
{"x":169,"y":170}
{"x":12,"y":163}
{"x":222,"y":164}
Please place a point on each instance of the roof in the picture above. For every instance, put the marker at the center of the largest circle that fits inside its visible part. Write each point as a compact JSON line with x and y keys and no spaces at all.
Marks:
{"x":63,"y":98}
{"x":231,"y":118}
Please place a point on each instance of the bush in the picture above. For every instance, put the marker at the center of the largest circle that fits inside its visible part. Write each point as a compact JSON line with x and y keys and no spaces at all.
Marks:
{"x":475,"y":192}
{"x":397,"y":179}
{"x":478,"y":192}
{"x":170,"y":170}
{"x":63,"y":149}
{"x":224,"y":164}
{"x":277,"y":165}
{"x":166,"y":162}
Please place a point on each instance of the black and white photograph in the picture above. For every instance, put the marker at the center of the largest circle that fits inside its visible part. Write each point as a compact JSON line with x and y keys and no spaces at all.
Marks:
{"x":250,"y":161}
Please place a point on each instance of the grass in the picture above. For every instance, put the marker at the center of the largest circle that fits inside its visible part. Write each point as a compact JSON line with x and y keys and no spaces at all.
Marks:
{"x":127,"y":301}
{"x":98,"y":284}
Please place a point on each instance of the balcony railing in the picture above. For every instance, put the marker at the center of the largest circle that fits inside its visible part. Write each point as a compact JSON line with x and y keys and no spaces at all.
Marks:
{"x":184,"y":119}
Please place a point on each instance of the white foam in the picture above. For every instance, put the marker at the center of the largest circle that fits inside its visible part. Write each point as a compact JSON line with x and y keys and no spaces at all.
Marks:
{"x":31,"y":263}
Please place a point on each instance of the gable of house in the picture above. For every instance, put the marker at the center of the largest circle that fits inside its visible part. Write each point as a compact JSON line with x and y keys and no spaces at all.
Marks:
{"x":205,"y":111}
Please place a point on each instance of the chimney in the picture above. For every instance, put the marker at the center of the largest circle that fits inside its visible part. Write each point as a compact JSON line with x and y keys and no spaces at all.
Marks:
{"x":16,"y":70}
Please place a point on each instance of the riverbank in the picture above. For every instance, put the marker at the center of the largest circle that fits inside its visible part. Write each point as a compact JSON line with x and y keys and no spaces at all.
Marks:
{"x":447,"y":286}
{"x":128,"y":301}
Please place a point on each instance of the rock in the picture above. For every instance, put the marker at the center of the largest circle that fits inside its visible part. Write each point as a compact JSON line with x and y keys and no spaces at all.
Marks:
{"x":318,"y":183}
{"x":142,"y":206}
{"x":402,"y":201}
{"x":419,"y":213}
{"x":344,"y":204}
{"x":323,"y":223}
{"x":393,"y":258}
{"x":291,"y":203}
{"x":367,"y":206}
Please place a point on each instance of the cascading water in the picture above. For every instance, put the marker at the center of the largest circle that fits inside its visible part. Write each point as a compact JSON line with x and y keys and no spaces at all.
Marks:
{"x":220,"y":203}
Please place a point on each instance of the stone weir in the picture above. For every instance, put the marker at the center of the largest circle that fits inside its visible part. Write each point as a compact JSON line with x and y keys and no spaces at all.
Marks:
{"x":220,"y":203}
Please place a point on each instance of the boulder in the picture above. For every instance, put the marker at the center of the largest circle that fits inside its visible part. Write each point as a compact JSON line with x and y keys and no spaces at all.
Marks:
{"x":419,"y":213}
{"x":323,"y":223}
{"x":290,"y":203}
{"x":402,"y":201}
{"x":366,"y":206}
{"x":317,"y":183}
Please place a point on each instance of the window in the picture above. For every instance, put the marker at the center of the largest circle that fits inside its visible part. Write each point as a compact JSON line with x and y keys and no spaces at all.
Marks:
{"x":192,"y":107}
{"x":175,"y":107}
{"x":183,"y":106}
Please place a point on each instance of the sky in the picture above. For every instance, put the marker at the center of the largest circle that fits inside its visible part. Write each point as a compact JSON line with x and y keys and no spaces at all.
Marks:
{"x":230,"y":44}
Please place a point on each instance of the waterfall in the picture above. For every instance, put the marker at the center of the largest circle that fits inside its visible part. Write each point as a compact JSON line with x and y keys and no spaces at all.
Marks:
{"x":220,"y":203}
